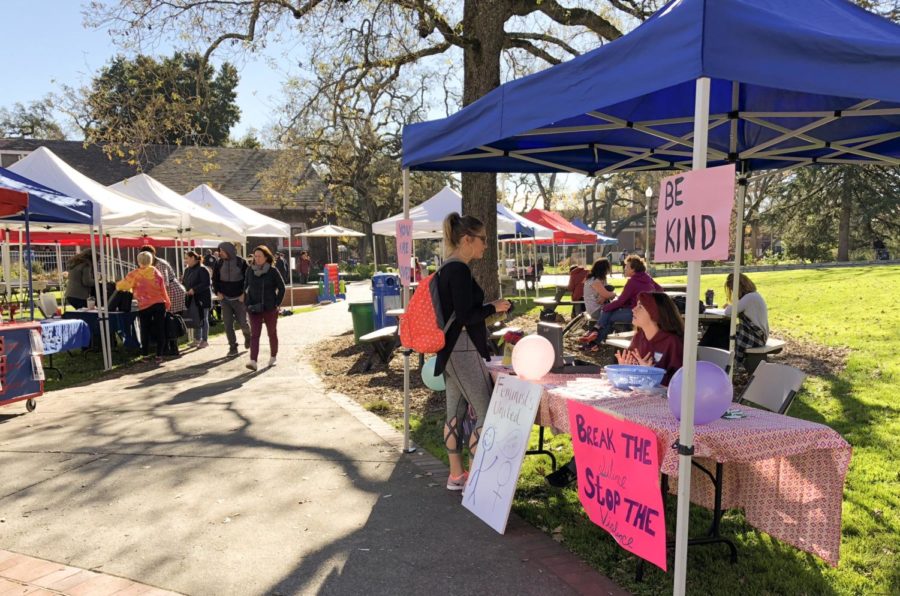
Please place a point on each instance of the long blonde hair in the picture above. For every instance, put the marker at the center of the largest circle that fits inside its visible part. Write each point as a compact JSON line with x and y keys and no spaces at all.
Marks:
{"x":745,"y":286}
{"x":456,"y":226}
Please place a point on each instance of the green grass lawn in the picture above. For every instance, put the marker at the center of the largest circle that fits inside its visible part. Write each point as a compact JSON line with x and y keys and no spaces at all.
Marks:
{"x":854,"y":308}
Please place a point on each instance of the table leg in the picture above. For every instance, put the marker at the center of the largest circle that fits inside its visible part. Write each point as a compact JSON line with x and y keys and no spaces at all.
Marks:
{"x":50,"y":366}
{"x":540,"y":450}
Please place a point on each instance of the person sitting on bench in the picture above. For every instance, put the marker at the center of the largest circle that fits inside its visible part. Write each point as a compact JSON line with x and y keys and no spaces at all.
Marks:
{"x":596,"y":291}
{"x":619,"y":310}
{"x":753,"y":320}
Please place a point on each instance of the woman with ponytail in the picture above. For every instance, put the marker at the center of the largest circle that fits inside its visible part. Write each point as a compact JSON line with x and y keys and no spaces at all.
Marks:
{"x":462,"y":360}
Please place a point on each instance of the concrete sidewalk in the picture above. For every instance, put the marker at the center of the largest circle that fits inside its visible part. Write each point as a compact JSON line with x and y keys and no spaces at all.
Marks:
{"x":202,"y":477}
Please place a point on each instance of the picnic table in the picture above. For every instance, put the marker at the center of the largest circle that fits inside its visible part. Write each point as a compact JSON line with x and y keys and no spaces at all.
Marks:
{"x":785,"y":473}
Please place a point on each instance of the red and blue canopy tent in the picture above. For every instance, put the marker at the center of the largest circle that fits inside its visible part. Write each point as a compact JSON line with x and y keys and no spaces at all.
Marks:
{"x":762,"y":84}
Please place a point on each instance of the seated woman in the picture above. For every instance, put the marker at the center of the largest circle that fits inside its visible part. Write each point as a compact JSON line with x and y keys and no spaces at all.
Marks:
{"x":659,"y":339}
{"x":619,"y":310}
{"x":659,"y":342}
{"x":596,"y":292}
{"x":753,"y":320}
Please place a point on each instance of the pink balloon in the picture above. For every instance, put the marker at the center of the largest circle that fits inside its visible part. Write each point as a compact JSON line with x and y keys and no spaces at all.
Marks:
{"x":533,"y":356}
{"x":713,"y":395}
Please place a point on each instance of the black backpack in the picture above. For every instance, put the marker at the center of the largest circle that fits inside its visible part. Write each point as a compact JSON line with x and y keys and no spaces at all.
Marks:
{"x":175,"y":326}
{"x":681,"y":304}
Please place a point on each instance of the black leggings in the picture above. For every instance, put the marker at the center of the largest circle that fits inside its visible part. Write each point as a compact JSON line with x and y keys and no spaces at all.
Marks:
{"x":153,"y":320}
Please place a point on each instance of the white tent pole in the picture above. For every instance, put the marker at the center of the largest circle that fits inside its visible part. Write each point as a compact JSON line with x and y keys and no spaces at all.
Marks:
{"x":95,"y":264}
{"x":738,"y":257}
{"x":102,"y":299}
{"x":689,"y":378}
{"x":21,"y":260}
{"x":534,"y":260}
{"x":374,"y":254}
{"x":59,"y":275}
{"x":7,"y":265}
{"x":290,"y":268}
{"x":406,"y":352}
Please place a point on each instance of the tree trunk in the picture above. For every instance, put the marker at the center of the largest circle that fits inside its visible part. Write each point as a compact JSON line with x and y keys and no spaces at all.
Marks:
{"x":843,"y":253}
{"x":483,"y":21}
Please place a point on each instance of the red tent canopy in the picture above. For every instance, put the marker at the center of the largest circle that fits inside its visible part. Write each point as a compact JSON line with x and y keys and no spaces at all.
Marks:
{"x":12,"y":201}
{"x":564,"y":232}
{"x":75,"y":239}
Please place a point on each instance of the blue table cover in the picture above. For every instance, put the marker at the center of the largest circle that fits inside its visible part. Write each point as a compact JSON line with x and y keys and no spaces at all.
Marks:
{"x":62,"y":335}
{"x":119,"y":322}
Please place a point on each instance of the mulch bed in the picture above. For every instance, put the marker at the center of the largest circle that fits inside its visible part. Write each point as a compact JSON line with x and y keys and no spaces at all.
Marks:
{"x":339,"y":361}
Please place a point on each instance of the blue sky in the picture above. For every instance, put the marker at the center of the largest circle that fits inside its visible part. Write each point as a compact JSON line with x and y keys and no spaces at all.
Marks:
{"x":45,"y":44}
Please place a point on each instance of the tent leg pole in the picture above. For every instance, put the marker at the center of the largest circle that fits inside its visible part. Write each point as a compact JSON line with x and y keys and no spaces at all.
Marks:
{"x":291,"y":267}
{"x":407,"y":448}
{"x":738,"y":257}
{"x":689,"y":378}
{"x":59,"y":274}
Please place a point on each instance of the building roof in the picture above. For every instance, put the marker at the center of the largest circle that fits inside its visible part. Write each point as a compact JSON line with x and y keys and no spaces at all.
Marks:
{"x":233,"y":171}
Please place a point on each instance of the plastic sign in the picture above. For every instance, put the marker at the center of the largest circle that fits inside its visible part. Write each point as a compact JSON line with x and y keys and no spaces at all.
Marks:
{"x":694,"y":215}
{"x":618,"y":480}
{"x":404,"y":250}
{"x":501,"y":448}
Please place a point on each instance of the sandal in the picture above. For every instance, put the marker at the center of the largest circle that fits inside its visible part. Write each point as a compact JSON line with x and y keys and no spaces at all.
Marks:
{"x":593,"y":348}
{"x":586,"y":339}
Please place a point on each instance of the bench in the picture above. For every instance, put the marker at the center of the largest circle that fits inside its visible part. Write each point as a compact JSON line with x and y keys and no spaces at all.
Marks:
{"x":753,"y":356}
{"x":383,"y":341}
{"x":620,"y":340}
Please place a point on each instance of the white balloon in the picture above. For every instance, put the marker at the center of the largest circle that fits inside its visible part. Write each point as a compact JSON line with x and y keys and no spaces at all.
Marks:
{"x":533,"y":357}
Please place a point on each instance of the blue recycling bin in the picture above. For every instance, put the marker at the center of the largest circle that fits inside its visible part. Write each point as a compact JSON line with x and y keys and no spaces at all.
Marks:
{"x":385,"y":296}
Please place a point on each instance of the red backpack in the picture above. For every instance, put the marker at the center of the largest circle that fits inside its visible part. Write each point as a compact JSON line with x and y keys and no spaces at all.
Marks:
{"x":422,"y":326}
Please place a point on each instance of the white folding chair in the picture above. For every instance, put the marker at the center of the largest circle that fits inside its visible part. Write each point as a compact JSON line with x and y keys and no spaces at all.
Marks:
{"x":773,"y":386}
{"x":47,"y":304}
{"x":718,"y":356}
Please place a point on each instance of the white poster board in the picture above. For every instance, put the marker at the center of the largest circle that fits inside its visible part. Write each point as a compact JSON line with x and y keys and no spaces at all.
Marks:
{"x":501,"y":448}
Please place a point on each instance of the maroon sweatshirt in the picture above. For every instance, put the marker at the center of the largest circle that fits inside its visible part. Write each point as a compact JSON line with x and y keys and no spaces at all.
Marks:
{"x":666,"y":348}
{"x":637,"y":283}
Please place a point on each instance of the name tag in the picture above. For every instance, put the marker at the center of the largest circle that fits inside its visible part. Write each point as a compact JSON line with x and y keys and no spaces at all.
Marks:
{"x":657,"y":356}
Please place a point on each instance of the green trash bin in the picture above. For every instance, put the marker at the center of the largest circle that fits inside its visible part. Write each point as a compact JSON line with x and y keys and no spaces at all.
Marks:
{"x":363,"y":318}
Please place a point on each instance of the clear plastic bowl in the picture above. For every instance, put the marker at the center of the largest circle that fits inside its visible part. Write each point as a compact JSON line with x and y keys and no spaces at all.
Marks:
{"x":626,"y":376}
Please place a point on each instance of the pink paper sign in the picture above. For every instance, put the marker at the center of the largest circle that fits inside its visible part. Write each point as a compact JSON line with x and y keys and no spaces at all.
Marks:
{"x":404,"y":250}
{"x":694,"y":215}
{"x":618,"y":480}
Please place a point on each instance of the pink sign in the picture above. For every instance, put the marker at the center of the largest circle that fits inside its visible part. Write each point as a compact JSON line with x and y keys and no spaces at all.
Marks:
{"x":618,"y":480}
{"x":404,"y":250}
{"x":694,"y":215}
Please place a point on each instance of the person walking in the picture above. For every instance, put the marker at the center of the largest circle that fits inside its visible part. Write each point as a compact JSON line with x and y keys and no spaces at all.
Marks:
{"x":466,"y":348}
{"x":80,"y":281}
{"x":264,"y":291}
{"x":209,"y":259}
{"x":149,"y":289}
{"x":281,"y":266}
{"x":197,"y":284}
{"x":228,"y":284}
{"x":303,"y":266}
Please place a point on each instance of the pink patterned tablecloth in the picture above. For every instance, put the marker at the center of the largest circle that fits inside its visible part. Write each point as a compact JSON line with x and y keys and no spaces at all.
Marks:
{"x":786,"y":474}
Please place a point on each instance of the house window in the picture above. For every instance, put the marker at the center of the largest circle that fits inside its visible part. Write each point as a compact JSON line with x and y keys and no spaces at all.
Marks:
{"x":8,"y":158}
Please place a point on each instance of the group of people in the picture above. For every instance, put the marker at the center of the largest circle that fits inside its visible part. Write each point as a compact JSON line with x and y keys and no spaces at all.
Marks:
{"x":249,"y":293}
{"x":658,"y":340}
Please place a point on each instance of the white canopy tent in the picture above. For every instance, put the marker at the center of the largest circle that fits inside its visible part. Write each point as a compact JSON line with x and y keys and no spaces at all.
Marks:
{"x":248,"y":221}
{"x":116,"y":213}
{"x":331,"y":231}
{"x":196,"y":221}
{"x":428,"y":218}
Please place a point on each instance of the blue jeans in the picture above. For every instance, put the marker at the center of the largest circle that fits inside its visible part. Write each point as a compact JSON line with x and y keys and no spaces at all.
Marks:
{"x":607,"y":319}
{"x":203,"y":332}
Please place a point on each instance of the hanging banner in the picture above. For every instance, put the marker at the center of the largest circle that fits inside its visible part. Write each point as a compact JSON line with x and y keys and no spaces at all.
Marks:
{"x":618,"y":480}
{"x":694,"y":216}
{"x":501,"y":448}
{"x":404,"y":250}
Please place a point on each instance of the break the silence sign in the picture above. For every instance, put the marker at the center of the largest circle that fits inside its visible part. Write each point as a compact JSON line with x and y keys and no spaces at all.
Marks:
{"x":618,"y":480}
{"x":501,"y":448}
{"x":694,"y":215}
{"x":404,"y":250}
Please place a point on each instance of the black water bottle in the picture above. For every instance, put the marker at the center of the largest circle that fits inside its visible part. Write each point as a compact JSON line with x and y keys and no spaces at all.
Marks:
{"x":710,"y":297}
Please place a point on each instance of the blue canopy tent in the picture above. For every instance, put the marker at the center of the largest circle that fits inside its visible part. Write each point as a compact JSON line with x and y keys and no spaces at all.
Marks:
{"x":764,"y":84}
{"x":41,"y":205}
{"x":601,"y":239}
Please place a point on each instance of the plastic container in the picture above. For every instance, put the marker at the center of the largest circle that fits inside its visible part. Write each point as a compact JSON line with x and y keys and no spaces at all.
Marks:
{"x":385,"y":296}
{"x":626,"y":376}
{"x":363,"y":323}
